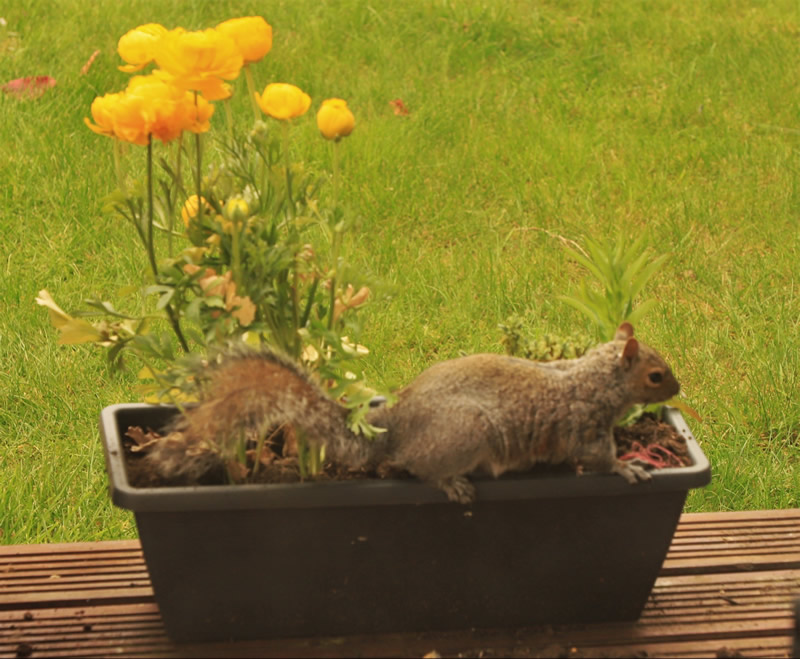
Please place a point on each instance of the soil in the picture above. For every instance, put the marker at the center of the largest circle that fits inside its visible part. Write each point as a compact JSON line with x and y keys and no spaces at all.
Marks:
{"x":650,"y":442}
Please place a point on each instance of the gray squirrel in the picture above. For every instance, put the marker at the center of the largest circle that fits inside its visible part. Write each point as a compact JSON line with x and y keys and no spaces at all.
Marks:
{"x":487,"y":412}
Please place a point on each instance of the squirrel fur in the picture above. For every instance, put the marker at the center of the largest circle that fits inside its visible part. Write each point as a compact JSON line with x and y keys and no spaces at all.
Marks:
{"x":487,"y":411}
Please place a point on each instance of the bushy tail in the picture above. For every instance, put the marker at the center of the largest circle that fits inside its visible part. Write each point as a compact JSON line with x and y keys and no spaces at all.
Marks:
{"x":250,"y":393}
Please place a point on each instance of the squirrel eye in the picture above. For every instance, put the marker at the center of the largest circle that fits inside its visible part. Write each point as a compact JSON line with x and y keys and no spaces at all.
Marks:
{"x":656,"y":377}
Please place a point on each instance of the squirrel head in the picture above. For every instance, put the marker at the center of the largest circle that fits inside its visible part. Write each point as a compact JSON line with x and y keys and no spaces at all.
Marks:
{"x":648,"y":375}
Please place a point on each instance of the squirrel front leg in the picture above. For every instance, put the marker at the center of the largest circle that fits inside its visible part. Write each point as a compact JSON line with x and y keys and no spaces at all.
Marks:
{"x":601,"y":456}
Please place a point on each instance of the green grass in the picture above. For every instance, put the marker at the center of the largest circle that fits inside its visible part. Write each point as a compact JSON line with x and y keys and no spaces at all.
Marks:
{"x":527,"y":121}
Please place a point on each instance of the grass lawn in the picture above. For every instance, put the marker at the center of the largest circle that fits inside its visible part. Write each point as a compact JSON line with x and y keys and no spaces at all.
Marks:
{"x":528,"y":121}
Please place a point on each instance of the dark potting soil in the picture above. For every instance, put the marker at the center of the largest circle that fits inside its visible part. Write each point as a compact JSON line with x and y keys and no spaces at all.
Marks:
{"x":650,"y":442}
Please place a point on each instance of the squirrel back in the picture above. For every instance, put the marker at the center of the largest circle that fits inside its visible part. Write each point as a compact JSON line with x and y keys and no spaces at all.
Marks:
{"x":499,"y":413}
{"x":249,"y":393}
{"x":482,"y":412}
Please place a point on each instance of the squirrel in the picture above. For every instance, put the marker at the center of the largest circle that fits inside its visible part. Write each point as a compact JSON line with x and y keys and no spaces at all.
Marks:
{"x":485,"y":411}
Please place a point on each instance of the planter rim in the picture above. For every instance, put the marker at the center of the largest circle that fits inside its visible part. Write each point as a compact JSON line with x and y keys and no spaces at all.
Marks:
{"x":510,"y":486}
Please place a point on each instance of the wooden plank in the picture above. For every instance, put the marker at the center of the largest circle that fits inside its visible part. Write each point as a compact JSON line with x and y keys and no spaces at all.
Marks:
{"x":728,"y":582}
{"x":740,"y":515}
{"x":145,"y":641}
{"x":99,"y":546}
{"x":729,"y":563}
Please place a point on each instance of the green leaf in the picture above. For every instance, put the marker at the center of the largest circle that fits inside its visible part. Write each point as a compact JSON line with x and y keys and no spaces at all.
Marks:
{"x":77,"y":330}
{"x":156,"y":289}
{"x":683,"y":407}
{"x":640,"y":311}
{"x":586,"y":263}
{"x":165,"y":299}
{"x":654,"y":267}
{"x":108,"y":308}
{"x":581,"y":306}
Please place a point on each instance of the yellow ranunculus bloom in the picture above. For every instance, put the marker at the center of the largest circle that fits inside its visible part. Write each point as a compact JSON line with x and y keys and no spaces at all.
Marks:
{"x":252,"y":35}
{"x":191,"y":207}
{"x":138,"y":46}
{"x":283,"y":101}
{"x":150,"y":107}
{"x":200,"y":60}
{"x":103,"y":113}
{"x":120,"y":115}
{"x":212,"y":89}
{"x":201,"y":114}
{"x":334,"y":119}
{"x":164,"y":109}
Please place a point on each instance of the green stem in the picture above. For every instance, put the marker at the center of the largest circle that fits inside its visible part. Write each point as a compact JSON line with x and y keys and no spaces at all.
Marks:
{"x":302,"y":454}
{"x":237,"y":258}
{"x":118,"y":167}
{"x":149,"y":242}
{"x":179,"y":163}
{"x":173,"y":317}
{"x":334,"y":236}
{"x":174,"y":196}
{"x":335,"y":174}
{"x":296,"y":311}
{"x":285,"y":123}
{"x":229,"y":119}
{"x":251,"y":89}
{"x":199,"y":174}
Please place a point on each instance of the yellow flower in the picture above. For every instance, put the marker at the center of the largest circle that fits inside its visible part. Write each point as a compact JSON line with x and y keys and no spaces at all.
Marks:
{"x":283,"y":101}
{"x":103,"y":113}
{"x":202,"y":114}
{"x":190,"y":209}
{"x":137,"y":47}
{"x":200,"y":60}
{"x":334,"y":119}
{"x":165,"y":110}
{"x":252,"y":35}
{"x":149,"y":107}
{"x":120,"y":115}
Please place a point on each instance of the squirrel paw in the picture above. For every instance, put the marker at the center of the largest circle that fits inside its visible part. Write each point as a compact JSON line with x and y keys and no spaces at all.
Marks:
{"x":632,"y":473}
{"x":458,"y":489}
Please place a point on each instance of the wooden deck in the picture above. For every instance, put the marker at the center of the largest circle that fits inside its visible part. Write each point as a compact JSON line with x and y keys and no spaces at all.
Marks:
{"x":726,"y":589}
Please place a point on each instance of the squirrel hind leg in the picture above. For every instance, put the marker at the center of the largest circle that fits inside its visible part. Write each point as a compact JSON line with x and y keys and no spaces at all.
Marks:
{"x":457,"y":488}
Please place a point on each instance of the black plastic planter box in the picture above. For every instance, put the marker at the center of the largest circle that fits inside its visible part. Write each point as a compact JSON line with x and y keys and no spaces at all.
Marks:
{"x":338,"y":558}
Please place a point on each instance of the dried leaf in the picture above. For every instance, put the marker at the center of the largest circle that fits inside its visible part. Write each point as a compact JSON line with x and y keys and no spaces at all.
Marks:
{"x":58,"y":316}
{"x":85,"y":68}
{"x":289,"y":442}
{"x":267,"y":457}
{"x":237,"y":471}
{"x":400,"y":108}
{"x":142,"y":440}
{"x":10,"y":42}
{"x":30,"y":87}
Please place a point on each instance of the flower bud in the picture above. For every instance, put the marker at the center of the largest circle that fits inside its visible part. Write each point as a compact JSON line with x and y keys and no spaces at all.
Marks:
{"x":334,"y":119}
{"x":283,"y":101}
{"x":190,"y":209}
{"x":237,"y":210}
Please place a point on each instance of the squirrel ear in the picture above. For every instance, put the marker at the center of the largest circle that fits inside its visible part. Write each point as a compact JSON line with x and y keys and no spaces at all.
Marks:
{"x":624,"y":332}
{"x":629,"y":352}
